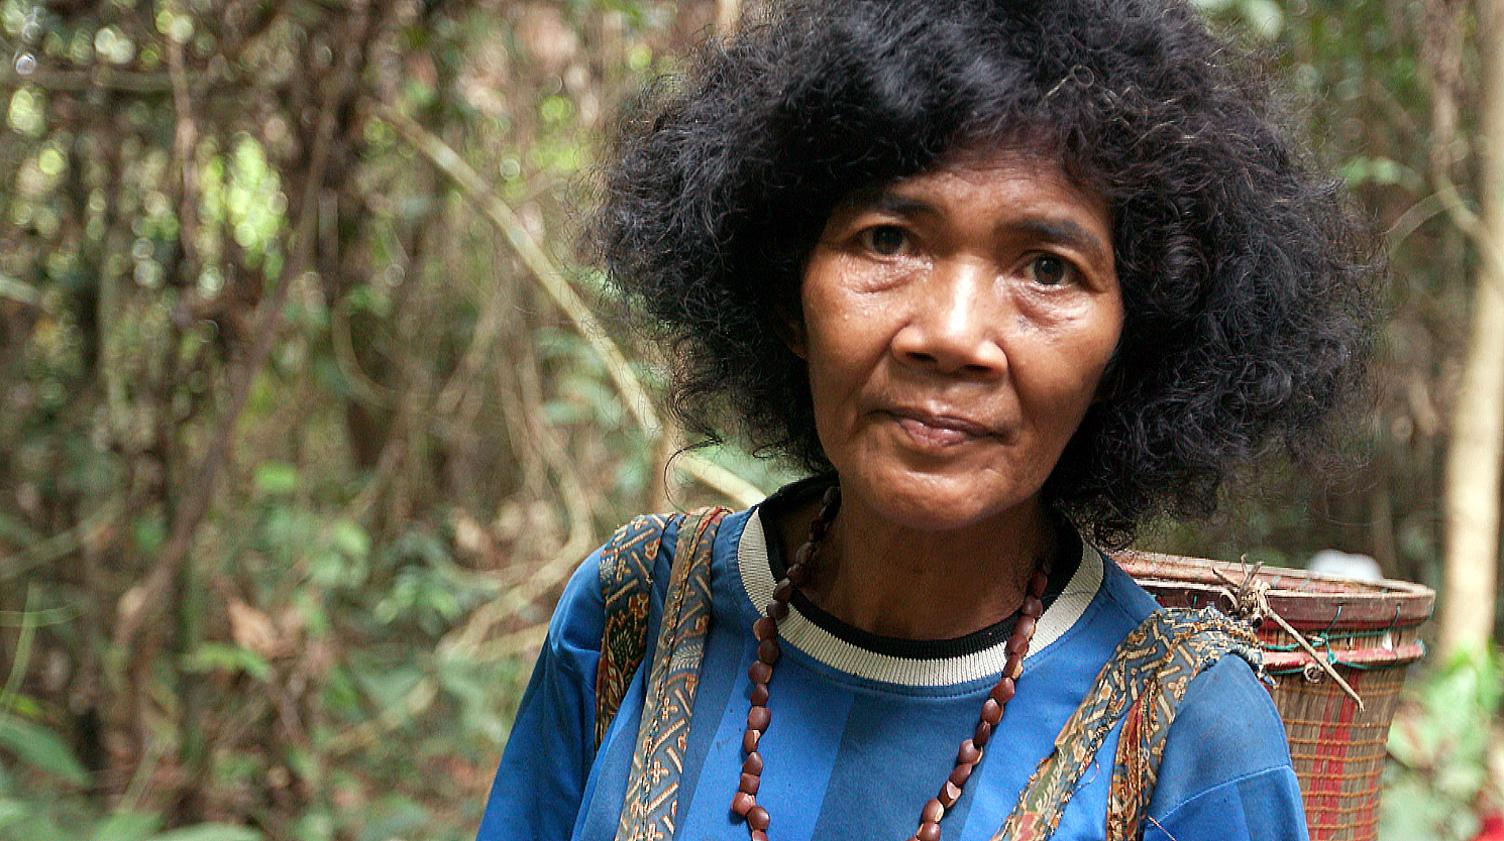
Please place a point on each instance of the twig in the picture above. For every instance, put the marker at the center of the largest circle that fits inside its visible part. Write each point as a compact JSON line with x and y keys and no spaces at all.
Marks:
{"x":60,"y":544}
{"x":1252,"y":600}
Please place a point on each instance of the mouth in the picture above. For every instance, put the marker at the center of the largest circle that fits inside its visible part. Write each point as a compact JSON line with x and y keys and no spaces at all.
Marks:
{"x":938,"y":430}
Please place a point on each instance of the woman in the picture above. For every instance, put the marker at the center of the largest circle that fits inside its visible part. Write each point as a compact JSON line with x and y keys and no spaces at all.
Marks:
{"x":1009,"y":279}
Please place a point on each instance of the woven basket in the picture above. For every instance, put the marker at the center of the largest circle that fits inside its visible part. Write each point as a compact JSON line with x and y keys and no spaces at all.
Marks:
{"x":1368,"y":631}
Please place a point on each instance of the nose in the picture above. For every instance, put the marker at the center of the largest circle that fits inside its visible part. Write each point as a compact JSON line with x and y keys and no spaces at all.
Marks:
{"x":955,"y":323}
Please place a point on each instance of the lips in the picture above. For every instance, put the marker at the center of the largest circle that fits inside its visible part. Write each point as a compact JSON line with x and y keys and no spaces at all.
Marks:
{"x":932,"y":429}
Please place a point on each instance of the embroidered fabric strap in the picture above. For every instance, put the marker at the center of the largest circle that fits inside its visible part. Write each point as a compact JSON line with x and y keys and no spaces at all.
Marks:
{"x":626,"y":578}
{"x":648,"y":811}
{"x":1144,"y":681}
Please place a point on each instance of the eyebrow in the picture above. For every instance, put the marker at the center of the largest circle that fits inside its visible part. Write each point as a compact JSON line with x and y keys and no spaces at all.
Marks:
{"x":879,"y":198}
{"x":1066,"y":232}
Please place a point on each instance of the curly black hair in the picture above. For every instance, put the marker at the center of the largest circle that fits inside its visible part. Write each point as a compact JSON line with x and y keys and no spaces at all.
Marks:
{"x":1247,"y":281}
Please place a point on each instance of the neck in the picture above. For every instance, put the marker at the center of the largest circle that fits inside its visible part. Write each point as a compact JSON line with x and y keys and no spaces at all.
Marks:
{"x":897,"y":581}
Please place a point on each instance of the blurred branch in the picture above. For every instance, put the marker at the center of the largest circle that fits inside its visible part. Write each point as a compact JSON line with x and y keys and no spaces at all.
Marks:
{"x":60,"y":544}
{"x":23,"y":654}
{"x":185,"y":138}
{"x":478,"y":192}
{"x":1414,"y":216}
{"x":350,"y":368}
{"x":145,"y":599}
{"x":104,"y":77}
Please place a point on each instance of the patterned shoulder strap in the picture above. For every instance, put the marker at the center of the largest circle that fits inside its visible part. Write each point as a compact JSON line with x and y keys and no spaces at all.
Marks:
{"x":1144,"y":681}
{"x":626,"y":577}
{"x":649,"y":809}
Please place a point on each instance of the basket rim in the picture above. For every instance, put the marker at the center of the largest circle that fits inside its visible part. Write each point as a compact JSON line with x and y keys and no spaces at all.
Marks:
{"x":1359,"y":605}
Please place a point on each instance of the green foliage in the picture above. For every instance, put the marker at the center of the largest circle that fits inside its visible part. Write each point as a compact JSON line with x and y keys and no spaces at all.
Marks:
{"x":1446,"y":744}
{"x":42,"y":749}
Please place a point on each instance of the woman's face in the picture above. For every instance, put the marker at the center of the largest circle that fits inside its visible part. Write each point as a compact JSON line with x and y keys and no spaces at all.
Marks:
{"x":956,"y":325}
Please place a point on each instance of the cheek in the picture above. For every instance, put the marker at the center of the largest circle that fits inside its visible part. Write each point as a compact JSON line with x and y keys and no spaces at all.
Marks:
{"x":1068,"y":361}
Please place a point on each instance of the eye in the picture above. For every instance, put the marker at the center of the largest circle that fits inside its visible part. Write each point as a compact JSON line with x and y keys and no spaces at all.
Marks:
{"x":1049,"y":270}
{"x":885,"y":240}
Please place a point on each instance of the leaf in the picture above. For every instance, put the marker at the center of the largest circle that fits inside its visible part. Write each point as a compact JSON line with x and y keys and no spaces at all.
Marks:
{"x":276,"y":478}
{"x":1264,"y":17}
{"x":214,"y":656}
{"x":351,"y":539}
{"x":41,"y":749}
{"x":127,"y":826}
{"x":210,"y":832}
{"x":12,"y":811}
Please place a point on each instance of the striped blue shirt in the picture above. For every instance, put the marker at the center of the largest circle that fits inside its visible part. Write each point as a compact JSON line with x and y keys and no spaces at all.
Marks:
{"x":865,"y":728}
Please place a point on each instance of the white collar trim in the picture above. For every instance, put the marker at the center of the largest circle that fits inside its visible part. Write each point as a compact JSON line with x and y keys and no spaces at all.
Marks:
{"x":802,"y":633}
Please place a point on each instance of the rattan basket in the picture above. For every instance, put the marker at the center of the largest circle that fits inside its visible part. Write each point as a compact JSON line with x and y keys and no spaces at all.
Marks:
{"x":1366,"y":630}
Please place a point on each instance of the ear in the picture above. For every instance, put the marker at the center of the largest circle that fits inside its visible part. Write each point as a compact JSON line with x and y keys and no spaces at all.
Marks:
{"x":789,"y":326}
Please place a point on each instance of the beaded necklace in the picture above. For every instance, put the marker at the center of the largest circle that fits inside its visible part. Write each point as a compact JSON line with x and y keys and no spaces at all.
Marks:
{"x":744,"y":803}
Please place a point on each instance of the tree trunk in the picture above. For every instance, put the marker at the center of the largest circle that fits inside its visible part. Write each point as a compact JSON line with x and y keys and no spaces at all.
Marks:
{"x":1474,"y":460}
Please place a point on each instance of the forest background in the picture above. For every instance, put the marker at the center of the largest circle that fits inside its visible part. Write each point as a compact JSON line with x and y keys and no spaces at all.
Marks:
{"x":307,"y":410}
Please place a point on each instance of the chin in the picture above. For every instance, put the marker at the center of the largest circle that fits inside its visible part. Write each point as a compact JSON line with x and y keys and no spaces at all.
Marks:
{"x":929,"y":502}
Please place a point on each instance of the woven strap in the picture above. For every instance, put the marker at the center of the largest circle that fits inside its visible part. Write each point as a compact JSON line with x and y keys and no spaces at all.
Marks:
{"x":652,"y":798}
{"x":1144,"y":681}
{"x":626,"y":578}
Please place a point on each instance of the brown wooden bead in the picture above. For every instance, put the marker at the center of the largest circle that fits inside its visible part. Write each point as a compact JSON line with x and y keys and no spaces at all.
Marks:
{"x":982,"y":734}
{"x":992,"y":712}
{"x":818,"y":528}
{"x":960,"y":774}
{"x":968,"y":754}
{"x":949,"y":794}
{"x":749,"y":741}
{"x":767,"y":651}
{"x":778,"y":610}
{"x":749,"y":783}
{"x":760,"y":672}
{"x":1014,"y":667}
{"x":1017,"y":645}
{"x":783,"y":591}
{"x":803,"y":555}
{"x":932,"y":811}
{"x":831,"y":498}
{"x":1032,"y":606}
{"x":798,"y":573}
{"x":758,"y":719}
{"x":1004,"y":691}
{"x":758,"y":818}
{"x":753,"y":764}
{"x":1025,"y":627}
{"x":742,"y":803}
{"x":1039,"y":582}
{"x":928,"y":831}
{"x":765,"y":628}
{"x":759,"y":694}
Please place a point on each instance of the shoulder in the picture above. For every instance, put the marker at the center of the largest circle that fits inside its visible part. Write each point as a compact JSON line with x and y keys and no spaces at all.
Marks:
{"x":1124,"y":594}
{"x":641,"y":547}
{"x":1227,"y":750}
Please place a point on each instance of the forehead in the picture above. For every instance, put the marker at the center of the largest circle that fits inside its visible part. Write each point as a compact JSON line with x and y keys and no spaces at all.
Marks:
{"x":1004,"y":176}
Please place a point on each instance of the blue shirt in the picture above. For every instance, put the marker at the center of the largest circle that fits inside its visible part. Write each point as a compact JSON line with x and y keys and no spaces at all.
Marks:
{"x":864,"y":729}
